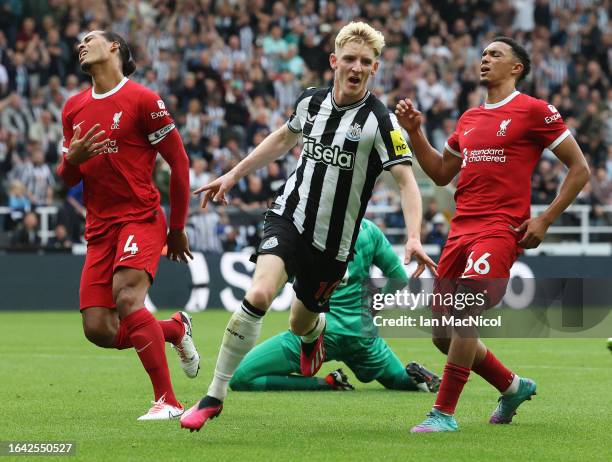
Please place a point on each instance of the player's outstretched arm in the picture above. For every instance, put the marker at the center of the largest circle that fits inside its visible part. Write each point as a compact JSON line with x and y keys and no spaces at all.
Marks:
{"x":172,"y":150}
{"x":271,"y":148}
{"x":577,"y":176}
{"x":411,"y":206}
{"x":441,"y":168}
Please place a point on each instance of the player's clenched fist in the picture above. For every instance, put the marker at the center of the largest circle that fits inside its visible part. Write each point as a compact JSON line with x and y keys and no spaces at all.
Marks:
{"x":407,"y":115}
{"x":83,"y":149}
{"x":216,"y":190}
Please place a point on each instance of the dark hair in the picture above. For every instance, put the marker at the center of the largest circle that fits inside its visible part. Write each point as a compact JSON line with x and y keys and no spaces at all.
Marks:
{"x":519,"y":52}
{"x":127,"y":62}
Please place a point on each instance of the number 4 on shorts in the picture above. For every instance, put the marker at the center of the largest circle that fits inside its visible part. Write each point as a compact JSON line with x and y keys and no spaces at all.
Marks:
{"x":130,"y":246}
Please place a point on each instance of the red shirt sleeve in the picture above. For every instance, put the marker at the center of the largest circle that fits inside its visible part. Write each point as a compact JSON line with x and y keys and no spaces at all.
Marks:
{"x":548,"y":129}
{"x":70,"y":174}
{"x":163,"y":135}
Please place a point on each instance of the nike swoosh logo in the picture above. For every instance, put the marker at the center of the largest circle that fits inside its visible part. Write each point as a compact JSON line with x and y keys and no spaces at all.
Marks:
{"x":144,"y":347}
{"x":75,"y":126}
{"x":125,"y":257}
{"x":468,"y":131}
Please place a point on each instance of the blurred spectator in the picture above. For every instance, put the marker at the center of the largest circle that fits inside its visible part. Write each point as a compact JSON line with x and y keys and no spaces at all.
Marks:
{"x":198,"y":176}
{"x":19,"y":203}
{"x":254,"y":196}
{"x":544,"y":184}
{"x":203,"y":230}
{"x":48,"y":134}
{"x":72,"y":212}
{"x":602,"y":186}
{"x":61,"y":240}
{"x":230,"y":240}
{"x":38,"y":179}
{"x":25,"y":236}
{"x":16,"y":117}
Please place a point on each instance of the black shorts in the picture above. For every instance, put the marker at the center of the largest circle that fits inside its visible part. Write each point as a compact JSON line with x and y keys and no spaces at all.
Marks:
{"x":315,"y":274}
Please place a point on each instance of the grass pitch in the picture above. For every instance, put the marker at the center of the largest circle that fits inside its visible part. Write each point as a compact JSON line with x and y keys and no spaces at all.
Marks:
{"x":57,"y":387}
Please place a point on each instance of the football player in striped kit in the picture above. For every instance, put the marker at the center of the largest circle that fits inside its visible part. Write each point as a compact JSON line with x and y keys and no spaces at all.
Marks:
{"x":349,"y":137}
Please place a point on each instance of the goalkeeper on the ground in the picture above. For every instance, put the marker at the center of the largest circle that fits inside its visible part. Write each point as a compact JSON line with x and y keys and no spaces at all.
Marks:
{"x":350,"y":335}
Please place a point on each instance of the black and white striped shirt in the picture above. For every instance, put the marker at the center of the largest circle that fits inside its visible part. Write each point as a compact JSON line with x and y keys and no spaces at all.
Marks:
{"x":345,"y":148}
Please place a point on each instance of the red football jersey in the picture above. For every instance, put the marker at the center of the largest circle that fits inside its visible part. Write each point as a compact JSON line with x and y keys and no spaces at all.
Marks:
{"x":500,"y":145}
{"x":118,"y":184}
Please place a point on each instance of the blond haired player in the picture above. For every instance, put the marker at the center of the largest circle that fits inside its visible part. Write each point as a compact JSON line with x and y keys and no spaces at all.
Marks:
{"x":310,"y":230}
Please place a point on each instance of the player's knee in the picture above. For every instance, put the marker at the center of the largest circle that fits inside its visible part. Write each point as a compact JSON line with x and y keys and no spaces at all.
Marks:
{"x":260,"y":297}
{"x":126,"y":298}
{"x":441,"y":343}
{"x":98,"y":333}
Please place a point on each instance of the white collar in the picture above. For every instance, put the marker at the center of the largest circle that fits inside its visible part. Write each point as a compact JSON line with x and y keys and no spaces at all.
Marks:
{"x":506,"y":100}
{"x":348,"y":106}
{"x":95,"y":95}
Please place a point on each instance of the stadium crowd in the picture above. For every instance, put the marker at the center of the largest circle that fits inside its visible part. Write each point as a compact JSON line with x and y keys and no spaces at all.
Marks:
{"x":229,"y":73}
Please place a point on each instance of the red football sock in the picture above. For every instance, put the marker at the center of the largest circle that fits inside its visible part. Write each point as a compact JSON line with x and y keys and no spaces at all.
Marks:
{"x":148,"y":339}
{"x":453,"y":380}
{"x":173,"y":329}
{"x":494,"y":372}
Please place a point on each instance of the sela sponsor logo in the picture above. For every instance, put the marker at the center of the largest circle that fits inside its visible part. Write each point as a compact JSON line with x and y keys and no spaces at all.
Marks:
{"x":354,"y":132}
{"x":270,"y":243}
{"x":116,"y":118}
{"x":483,"y":155}
{"x":329,"y":155}
{"x":503,"y":126}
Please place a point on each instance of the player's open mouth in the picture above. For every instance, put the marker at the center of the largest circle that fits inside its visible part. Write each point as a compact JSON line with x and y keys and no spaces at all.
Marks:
{"x":484,"y":70}
{"x":82,"y":54}
{"x":354,"y":80}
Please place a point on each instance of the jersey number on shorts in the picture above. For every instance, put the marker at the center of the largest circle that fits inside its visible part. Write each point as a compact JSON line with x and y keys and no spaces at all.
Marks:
{"x":130,"y":246}
{"x":481,"y":265}
{"x":325,"y":291}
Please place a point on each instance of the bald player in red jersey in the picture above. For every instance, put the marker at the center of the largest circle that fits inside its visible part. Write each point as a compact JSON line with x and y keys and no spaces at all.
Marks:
{"x":112,"y":134}
{"x":494,"y":149}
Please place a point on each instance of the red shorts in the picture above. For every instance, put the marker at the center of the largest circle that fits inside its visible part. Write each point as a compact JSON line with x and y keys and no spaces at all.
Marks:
{"x":480,"y":261}
{"x":135,"y":245}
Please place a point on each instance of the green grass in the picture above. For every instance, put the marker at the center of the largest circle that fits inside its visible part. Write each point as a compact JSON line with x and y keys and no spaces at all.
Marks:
{"x":56,"y":386}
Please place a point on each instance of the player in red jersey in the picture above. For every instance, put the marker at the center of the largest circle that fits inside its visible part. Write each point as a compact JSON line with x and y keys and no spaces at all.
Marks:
{"x":112,"y":134}
{"x":494,"y":149}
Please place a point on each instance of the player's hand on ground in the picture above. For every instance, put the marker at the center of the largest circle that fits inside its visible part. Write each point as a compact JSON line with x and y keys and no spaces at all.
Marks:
{"x":415,"y":249}
{"x":90,"y":145}
{"x":533,"y":231}
{"x":178,"y":246}
{"x":217,"y":189}
{"x":407,"y":115}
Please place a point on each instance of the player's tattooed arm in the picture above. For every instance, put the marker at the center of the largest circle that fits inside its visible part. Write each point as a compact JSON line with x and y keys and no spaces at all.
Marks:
{"x":410,"y":197}
{"x":441,"y":168}
{"x":571,"y":155}
{"x":83,"y":149}
{"x":271,"y":148}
